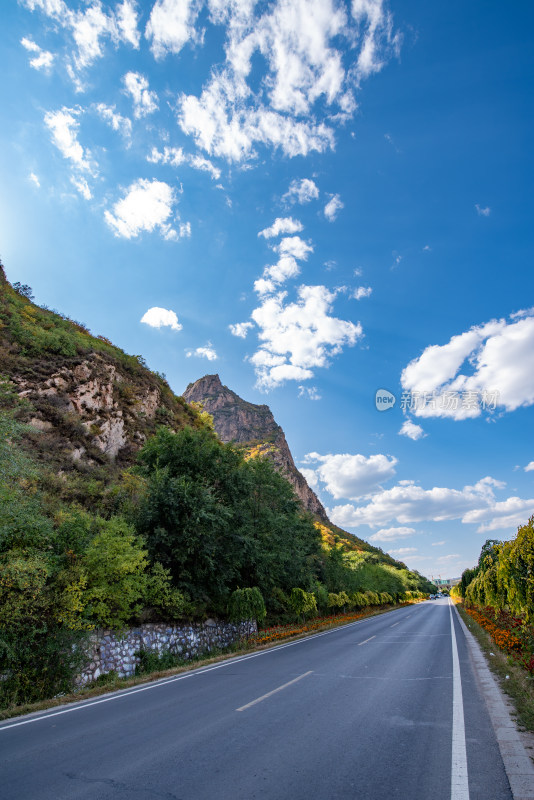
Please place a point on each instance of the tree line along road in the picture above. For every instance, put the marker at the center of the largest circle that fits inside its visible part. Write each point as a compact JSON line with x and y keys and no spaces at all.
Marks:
{"x":387,"y":707}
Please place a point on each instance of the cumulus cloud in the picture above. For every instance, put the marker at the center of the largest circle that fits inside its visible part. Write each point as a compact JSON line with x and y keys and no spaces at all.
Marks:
{"x":280,"y":226}
{"x":144,"y":100}
{"x":296,"y":337}
{"x":333,"y":207}
{"x":171,"y":25}
{"x":301,"y":191}
{"x":311,"y":477}
{"x":42,"y":59}
{"x":411,"y":430}
{"x":203,"y":352}
{"x":146,"y":206}
{"x":352,"y":476}
{"x":303,"y":67}
{"x":127,"y":23}
{"x":530,"y":467}
{"x":161,"y":318}
{"x":391,"y":534}
{"x":483,"y":211}
{"x":240,"y":329}
{"x":487,"y":366}
{"x":361,"y":292}
{"x":116,"y":121}
{"x":406,"y":503}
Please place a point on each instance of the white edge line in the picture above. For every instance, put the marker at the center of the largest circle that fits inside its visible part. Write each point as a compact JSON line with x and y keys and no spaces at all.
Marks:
{"x":194,"y":673}
{"x":274,"y":691}
{"x":459,"y":776}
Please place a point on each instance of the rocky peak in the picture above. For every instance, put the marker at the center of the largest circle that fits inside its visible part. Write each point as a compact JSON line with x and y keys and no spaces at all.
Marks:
{"x":237,"y":420}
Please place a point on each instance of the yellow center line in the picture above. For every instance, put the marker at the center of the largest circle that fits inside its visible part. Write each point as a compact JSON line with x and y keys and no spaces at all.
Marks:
{"x":367,"y":640}
{"x":274,"y":691}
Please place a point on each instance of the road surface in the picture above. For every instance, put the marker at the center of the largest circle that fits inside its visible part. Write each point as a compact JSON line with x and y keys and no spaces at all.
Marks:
{"x":387,"y":707}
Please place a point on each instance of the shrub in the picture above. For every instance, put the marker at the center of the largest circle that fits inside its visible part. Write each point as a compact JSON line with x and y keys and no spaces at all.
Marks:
{"x":246,"y":604}
{"x":302,"y":603}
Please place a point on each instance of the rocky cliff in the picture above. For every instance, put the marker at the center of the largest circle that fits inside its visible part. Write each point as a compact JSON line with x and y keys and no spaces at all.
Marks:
{"x":236,"y":420}
{"x":87,"y":403}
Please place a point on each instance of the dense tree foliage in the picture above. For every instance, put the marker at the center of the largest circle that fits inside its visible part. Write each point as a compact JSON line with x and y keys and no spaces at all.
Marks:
{"x":504,"y":576}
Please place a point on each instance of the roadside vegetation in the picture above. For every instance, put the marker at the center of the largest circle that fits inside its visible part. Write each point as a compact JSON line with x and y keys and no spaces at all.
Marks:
{"x":496,"y":600}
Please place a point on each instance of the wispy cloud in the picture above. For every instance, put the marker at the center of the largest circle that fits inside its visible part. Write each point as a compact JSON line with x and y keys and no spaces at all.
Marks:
{"x":333,"y":207}
{"x":482,"y":211}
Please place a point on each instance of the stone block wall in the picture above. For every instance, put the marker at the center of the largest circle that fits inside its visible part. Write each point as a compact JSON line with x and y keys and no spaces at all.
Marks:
{"x":108,"y":650}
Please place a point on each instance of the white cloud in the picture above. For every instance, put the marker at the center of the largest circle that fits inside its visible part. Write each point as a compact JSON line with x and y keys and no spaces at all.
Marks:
{"x":294,"y":247}
{"x":147,"y":205}
{"x":144,"y":101}
{"x":89,"y":29}
{"x":170,"y":155}
{"x":530,"y":467}
{"x":310,"y":392}
{"x":35,"y":180}
{"x":241,"y":329}
{"x":496,"y":358}
{"x":332,"y":208}
{"x":362,"y":291}
{"x":42,"y":59}
{"x":407,"y":503}
{"x":301,"y":191}
{"x":116,"y":121}
{"x":402,"y":551}
{"x":171,"y":25}
{"x":203,"y":352}
{"x":81,"y":185}
{"x":64,"y":127}
{"x":204,"y":165}
{"x":297,"y":337}
{"x":483,"y":211}
{"x":127,"y":22}
{"x":161,"y":318}
{"x":184,"y":230}
{"x":411,"y":430}
{"x":282,"y":225}
{"x":176,"y":156}
{"x":352,"y":476}
{"x":391,"y":534}
{"x":439,"y":544}
{"x":509,"y":513}
{"x":311,"y":477}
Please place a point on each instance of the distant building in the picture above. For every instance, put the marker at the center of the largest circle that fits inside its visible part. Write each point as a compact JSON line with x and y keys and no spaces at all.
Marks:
{"x":445,"y":583}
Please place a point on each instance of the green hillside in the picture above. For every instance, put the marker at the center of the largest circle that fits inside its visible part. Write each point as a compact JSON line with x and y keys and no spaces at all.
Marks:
{"x":118,"y":503}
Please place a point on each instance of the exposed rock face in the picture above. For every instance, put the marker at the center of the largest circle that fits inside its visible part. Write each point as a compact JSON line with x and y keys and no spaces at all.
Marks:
{"x":238,"y":421}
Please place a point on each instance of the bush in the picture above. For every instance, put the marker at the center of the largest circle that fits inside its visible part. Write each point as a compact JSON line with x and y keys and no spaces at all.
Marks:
{"x":246,"y":604}
{"x":302,"y":603}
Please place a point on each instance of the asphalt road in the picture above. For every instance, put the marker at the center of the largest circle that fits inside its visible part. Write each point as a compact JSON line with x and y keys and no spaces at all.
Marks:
{"x":369,"y":711}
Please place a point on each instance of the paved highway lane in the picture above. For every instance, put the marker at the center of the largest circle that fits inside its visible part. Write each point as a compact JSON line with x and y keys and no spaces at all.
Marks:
{"x":368,"y":711}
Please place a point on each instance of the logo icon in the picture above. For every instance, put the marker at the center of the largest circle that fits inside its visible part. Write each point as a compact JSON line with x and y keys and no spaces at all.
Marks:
{"x":384,"y":400}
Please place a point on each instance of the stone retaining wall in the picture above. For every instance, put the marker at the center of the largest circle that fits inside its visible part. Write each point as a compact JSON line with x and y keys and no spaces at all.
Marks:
{"x":108,"y":650}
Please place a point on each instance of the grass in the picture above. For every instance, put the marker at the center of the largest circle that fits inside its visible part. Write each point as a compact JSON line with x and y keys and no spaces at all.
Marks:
{"x":519,"y":685}
{"x":114,"y":683}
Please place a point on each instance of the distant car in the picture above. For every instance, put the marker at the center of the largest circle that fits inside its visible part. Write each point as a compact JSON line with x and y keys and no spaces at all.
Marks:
{"x":432,"y":597}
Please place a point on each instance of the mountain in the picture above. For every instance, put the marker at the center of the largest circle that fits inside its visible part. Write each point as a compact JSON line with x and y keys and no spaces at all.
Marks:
{"x":87,"y":403}
{"x":236,"y":420}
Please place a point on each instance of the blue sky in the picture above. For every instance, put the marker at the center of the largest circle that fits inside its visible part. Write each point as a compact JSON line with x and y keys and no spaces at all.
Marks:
{"x":316,"y":199}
